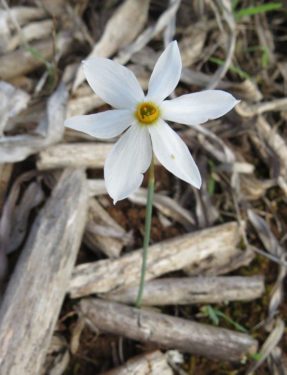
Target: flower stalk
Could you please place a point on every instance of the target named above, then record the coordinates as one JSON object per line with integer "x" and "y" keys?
{"x": 148, "y": 218}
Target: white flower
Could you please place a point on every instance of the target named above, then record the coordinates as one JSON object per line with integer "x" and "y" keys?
{"x": 144, "y": 116}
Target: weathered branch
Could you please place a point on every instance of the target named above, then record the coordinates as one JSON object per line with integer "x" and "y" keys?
{"x": 154, "y": 363}
{"x": 75, "y": 155}
{"x": 97, "y": 239}
{"x": 274, "y": 140}
{"x": 184, "y": 291}
{"x": 18, "y": 147}
{"x": 39, "y": 283}
{"x": 200, "y": 251}
{"x": 5, "y": 174}
{"x": 167, "y": 331}
{"x": 166, "y": 205}
{"x": 231, "y": 259}
{"x": 86, "y": 155}
{"x": 121, "y": 29}
{"x": 36, "y": 55}
{"x": 96, "y": 187}
{"x": 9, "y": 63}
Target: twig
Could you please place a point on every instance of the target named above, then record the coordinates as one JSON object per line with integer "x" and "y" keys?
{"x": 185, "y": 291}
{"x": 154, "y": 363}
{"x": 167, "y": 331}
{"x": 209, "y": 249}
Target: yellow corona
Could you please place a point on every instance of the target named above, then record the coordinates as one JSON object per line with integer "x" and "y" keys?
{"x": 147, "y": 113}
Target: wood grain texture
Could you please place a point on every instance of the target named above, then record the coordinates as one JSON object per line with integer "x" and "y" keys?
{"x": 18, "y": 147}
{"x": 5, "y": 174}
{"x": 167, "y": 331}
{"x": 85, "y": 155}
{"x": 39, "y": 283}
{"x": 198, "y": 250}
{"x": 75, "y": 155}
{"x": 98, "y": 217}
{"x": 274, "y": 140}
{"x": 9, "y": 63}
{"x": 154, "y": 363}
{"x": 191, "y": 290}
{"x": 121, "y": 29}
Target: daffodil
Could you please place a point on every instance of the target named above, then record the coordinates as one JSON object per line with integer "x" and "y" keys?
{"x": 142, "y": 120}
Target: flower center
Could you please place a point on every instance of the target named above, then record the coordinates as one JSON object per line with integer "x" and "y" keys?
{"x": 147, "y": 113}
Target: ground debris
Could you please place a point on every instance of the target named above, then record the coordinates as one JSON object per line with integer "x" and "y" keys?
{"x": 70, "y": 259}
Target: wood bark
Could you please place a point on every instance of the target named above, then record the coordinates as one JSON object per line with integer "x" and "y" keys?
{"x": 75, "y": 155}
{"x": 274, "y": 140}
{"x": 5, "y": 174}
{"x": 185, "y": 291}
{"x": 110, "y": 245}
{"x": 58, "y": 357}
{"x": 232, "y": 258}
{"x": 120, "y": 31}
{"x": 30, "y": 32}
{"x": 45, "y": 49}
{"x": 154, "y": 363}
{"x": 164, "y": 204}
{"x": 18, "y": 147}
{"x": 39, "y": 283}
{"x": 86, "y": 155}
{"x": 167, "y": 331}
{"x": 96, "y": 187}
{"x": 9, "y": 63}
{"x": 199, "y": 251}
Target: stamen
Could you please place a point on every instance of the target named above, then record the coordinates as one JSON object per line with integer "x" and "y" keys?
{"x": 147, "y": 113}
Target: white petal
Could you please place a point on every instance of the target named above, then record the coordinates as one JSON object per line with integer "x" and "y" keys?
{"x": 102, "y": 125}
{"x": 166, "y": 73}
{"x": 173, "y": 153}
{"x": 199, "y": 107}
{"x": 113, "y": 83}
{"x": 128, "y": 160}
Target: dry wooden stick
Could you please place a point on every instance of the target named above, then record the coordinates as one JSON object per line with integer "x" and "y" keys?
{"x": 32, "y": 57}
{"x": 250, "y": 110}
{"x": 86, "y": 155}
{"x": 154, "y": 363}
{"x": 12, "y": 19}
{"x": 23, "y": 14}
{"x": 167, "y": 331}
{"x": 9, "y": 63}
{"x": 184, "y": 291}
{"x": 39, "y": 283}
{"x": 12, "y": 101}
{"x": 121, "y": 29}
{"x": 30, "y": 32}
{"x": 231, "y": 259}
{"x": 197, "y": 250}
{"x": 110, "y": 245}
{"x": 19, "y": 147}
{"x": 274, "y": 140}
{"x": 5, "y": 174}
{"x": 96, "y": 187}
{"x": 57, "y": 358}
{"x": 167, "y": 206}
{"x": 83, "y": 104}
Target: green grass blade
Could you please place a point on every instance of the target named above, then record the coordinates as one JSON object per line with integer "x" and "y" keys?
{"x": 236, "y": 325}
{"x": 232, "y": 68}
{"x": 251, "y": 11}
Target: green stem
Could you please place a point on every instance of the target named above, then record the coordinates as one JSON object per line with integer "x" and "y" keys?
{"x": 148, "y": 217}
